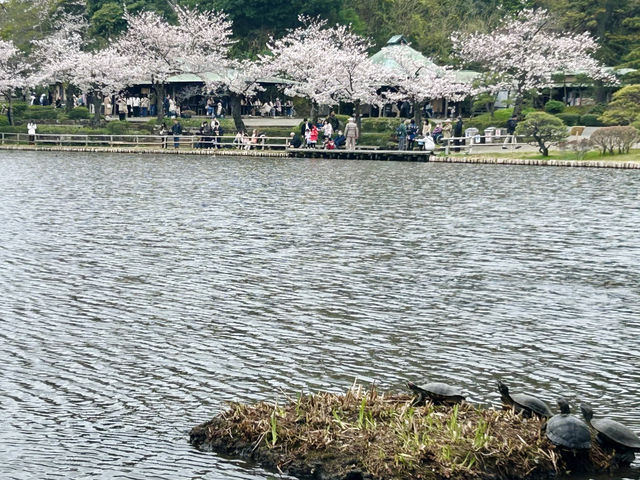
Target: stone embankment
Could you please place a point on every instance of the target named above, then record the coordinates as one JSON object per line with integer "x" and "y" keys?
{"x": 337, "y": 154}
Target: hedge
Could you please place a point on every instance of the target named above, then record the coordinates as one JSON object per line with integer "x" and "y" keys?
{"x": 569, "y": 119}
{"x": 554, "y": 106}
{"x": 590, "y": 120}
{"x": 39, "y": 112}
{"x": 79, "y": 113}
{"x": 484, "y": 121}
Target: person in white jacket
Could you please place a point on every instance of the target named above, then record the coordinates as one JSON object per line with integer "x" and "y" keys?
{"x": 31, "y": 130}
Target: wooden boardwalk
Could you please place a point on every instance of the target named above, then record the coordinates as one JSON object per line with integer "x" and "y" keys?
{"x": 358, "y": 154}
{"x": 362, "y": 154}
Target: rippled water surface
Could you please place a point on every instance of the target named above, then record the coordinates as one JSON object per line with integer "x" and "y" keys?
{"x": 140, "y": 293}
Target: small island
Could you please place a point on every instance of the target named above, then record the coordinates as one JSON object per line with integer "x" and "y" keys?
{"x": 370, "y": 435}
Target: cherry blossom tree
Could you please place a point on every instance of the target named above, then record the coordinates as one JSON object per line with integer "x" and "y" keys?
{"x": 198, "y": 43}
{"x": 418, "y": 81}
{"x": 242, "y": 79}
{"x": 56, "y": 54}
{"x": 103, "y": 73}
{"x": 14, "y": 73}
{"x": 524, "y": 52}
{"x": 304, "y": 56}
{"x": 326, "y": 64}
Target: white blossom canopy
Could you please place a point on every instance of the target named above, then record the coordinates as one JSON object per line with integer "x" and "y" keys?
{"x": 14, "y": 71}
{"x": 525, "y": 52}
{"x": 326, "y": 64}
{"x": 199, "y": 42}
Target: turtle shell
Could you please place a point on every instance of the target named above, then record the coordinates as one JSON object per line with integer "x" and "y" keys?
{"x": 437, "y": 392}
{"x": 569, "y": 432}
{"x": 529, "y": 404}
{"x": 616, "y": 433}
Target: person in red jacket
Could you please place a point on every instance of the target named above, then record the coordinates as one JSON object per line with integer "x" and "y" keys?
{"x": 313, "y": 136}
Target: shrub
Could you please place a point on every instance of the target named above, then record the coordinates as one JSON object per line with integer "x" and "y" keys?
{"x": 542, "y": 130}
{"x": 118, "y": 127}
{"x": 483, "y": 121}
{"x": 18, "y": 109}
{"x": 554, "y": 106}
{"x": 39, "y": 112}
{"x": 608, "y": 139}
{"x": 375, "y": 124}
{"x": 624, "y": 108}
{"x": 569, "y": 119}
{"x": 79, "y": 113}
{"x": 598, "y": 109}
{"x": 4, "y": 121}
{"x": 590, "y": 120}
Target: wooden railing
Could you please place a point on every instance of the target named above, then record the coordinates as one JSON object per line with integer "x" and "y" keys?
{"x": 465, "y": 144}
{"x": 146, "y": 141}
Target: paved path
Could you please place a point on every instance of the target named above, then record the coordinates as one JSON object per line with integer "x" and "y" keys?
{"x": 248, "y": 121}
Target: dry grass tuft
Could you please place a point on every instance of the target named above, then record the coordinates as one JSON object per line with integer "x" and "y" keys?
{"x": 366, "y": 434}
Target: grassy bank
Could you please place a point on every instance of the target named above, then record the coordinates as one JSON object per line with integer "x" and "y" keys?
{"x": 632, "y": 156}
{"x": 363, "y": 434}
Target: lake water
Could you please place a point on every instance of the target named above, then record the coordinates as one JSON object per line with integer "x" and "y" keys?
{"x": 140, "y": 293}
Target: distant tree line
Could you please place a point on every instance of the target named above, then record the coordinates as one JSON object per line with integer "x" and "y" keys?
{"x": 615, "y": 24}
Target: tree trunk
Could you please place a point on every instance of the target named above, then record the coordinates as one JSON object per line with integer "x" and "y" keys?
{"x": 159, "y": 89}
{"x": 10, "y": 110}
{"x": 236, "y": 111}
{"x": 314, "y": 112}
{"x": 356, "y": 112}
{"x": 97, "y": 103}
{"x": 491, "y": 107}
{"x": 68, "y": 101}
{"x": 417, "y": 113}
{"x": 542, "y": 148}
{"x": 517, "y": 106}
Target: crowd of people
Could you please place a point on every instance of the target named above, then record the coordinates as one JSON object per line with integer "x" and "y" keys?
{"x": 326, "y": 133}
{"x": 426, "y": 137}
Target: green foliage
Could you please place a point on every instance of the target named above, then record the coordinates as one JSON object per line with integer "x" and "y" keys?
{"x": 376, "y": 124}
{"x": 614, "y": 23}
{"x": 18, "y": 109}
{"x": 39, "y": 112}
{"x": 569, "y": 119}
{"x": 483, "y": 121}
{"x": 274, "y": 428}
{"x": 590, "y": 120}
{"x": 107, "y": 21}
{"x": 118, "y": 127}
{"x": 624, "y": 108}
{"x": 542, "y": 130}
{"x": 554, "y": 106}
{"x": 79, "y": 113}
{"x": 4, "y": 121}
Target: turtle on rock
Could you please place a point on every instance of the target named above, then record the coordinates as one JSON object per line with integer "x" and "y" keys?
{"x": 436, "y": 393}
{"x": 614, "y": 436}
{"x": 523, "y": 403}
{"x": 566, "y": 431}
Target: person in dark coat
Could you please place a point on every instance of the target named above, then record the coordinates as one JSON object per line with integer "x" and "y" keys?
{"x": 457, "y": 133}
{"x": 176, "y": 131}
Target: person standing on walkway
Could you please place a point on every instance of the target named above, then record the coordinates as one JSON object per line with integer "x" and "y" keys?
{"x": 351, "y": 133}
{"x": 457, "y": 133}
{"x": 163, "y": 135}
{"x": 176, "y": 131}
{"x": 511, "y": 138}
{"x": 447, "y": 129}
{"x": 412, "y": 133}
{"x": 401, "y": 133}
{"x": 31, "y": 130}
